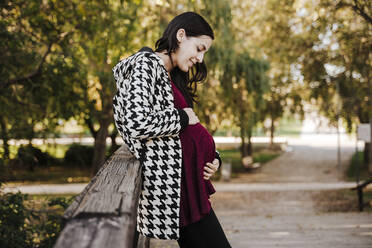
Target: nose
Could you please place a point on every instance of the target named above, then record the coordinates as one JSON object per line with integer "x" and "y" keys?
{"x": 200, "y": 57}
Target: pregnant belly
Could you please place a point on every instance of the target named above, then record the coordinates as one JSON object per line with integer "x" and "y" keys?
{"x": 199, "y": 140}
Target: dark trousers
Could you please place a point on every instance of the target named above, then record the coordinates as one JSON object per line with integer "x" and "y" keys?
{"x": 204, "y": 234}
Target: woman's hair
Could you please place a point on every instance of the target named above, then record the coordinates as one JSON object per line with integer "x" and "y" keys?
{"x": 194, "y": 26}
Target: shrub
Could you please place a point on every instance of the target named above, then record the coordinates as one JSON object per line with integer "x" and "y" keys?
{"x": 13, "y": 231}
{"x": 32, "y": 156}
{"x": 2, "y": 171}
{"x": 22, "y": 227}
{"x": 79, "y": 155}
{"x": 357, "y": 166}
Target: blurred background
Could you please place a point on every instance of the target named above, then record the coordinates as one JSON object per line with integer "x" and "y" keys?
{"x": 282, "y": 76}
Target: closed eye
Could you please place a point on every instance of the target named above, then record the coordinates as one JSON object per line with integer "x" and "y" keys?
{"x": 201, "y": 48}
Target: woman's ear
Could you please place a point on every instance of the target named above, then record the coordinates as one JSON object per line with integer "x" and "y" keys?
{"x": 181, "y": 34}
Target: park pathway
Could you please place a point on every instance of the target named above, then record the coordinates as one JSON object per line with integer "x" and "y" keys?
{"x": 294, "y": 201}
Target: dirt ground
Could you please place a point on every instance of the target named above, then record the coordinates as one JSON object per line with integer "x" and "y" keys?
{"x": 310, "y": 159}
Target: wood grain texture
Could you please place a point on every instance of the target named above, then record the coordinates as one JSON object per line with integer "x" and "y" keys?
{"x": 104, "y": 214}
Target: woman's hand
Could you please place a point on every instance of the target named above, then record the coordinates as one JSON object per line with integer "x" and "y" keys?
{"x": 211, "y": 168}
{"x": 193, "y": 119}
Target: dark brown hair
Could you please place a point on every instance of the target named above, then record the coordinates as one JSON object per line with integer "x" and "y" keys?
{"x": 194, "y": 25}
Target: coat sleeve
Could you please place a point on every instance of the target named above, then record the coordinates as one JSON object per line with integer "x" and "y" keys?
{"x": 138, "y": 119}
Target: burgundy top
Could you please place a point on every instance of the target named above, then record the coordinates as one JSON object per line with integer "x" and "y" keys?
{"x": 198, "y": 148}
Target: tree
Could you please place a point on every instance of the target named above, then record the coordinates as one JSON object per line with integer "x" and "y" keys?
{"x": 105, "y": 32}
{"x": 248, "y": 85}
{"x": 342, "y": 58}
{"x": 37, "y": 70}
{"x": 272, "y": 30}
{"x": 242, "y": 79}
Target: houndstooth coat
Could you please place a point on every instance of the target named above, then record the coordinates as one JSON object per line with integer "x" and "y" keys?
{"x": 146, "y": 119}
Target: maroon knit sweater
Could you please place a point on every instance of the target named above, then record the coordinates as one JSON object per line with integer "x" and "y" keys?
{"x": 198, "y": 148}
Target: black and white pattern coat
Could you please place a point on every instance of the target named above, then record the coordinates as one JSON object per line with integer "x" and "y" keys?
{"x": 147, "y": 120}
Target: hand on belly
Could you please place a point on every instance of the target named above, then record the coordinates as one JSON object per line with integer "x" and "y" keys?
{"x": 210, "y": 169}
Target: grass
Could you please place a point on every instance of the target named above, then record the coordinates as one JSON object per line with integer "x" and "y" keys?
{"x": 55, "y": 150}
{"x": 344, "y": 200}
{"x": 42, "y": 198}
{"x": 357, "y": 166}
{"x": 40, "y": 202}
{"x": 352, "y": 195}
{"x": 367, "y": 198}
{"x": 59, "y": 174}
{"x": 260, "y": 155}
{"x": 287, "y": 126}
{"x": 49, "y": 175}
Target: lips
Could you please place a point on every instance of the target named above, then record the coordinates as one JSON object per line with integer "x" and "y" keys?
{"x": 192, "y": 63}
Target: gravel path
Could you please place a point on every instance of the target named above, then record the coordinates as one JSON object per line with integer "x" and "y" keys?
{"x": 293, "y": 201}
{"x": 310, "y": 158}
{"x": 76, "y": 188}
{"x": 287, "y": 204}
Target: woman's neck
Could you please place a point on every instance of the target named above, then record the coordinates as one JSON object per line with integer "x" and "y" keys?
{"x": 166, "y": 60}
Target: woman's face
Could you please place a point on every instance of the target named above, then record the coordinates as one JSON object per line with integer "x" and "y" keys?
{"x": 191, "y": 50}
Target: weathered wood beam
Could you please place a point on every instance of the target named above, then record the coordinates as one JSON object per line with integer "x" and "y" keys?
{"x": 104, "y": 214}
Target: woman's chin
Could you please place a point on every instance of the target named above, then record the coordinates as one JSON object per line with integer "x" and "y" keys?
{"x": 184, "y": 68}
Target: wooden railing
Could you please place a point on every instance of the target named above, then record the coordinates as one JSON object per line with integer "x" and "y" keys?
{"x": 104, "y": 214}
{"x": 359, "y": 190}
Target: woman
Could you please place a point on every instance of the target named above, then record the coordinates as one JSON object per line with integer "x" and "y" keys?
{"x": 153, "y": 113}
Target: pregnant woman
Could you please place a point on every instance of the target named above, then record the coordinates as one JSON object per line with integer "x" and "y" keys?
{"x": 153, "y": 112}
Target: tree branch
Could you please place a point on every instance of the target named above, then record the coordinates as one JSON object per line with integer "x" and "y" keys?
{"x": 359, "y": 10}
{"x": 39, "y": 67}
{"x": 30, "y": 75}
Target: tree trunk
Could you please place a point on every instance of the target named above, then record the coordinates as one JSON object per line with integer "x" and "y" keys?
{"x": 366, "y": 154}
{"x": 370, "y": 146}
{"x": 242, "y": 136}
{"x": 249, "y": 145}
{"x": 100, "y": 146}
{"x": 370, "y": 121}
{"x": 114, "y": 145}
{"x": 272, "y": 130}
{"x": 4, "y": 137}
{"x": 242, "y": 133}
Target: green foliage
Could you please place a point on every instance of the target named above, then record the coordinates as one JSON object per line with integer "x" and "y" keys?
{"x": 38, "y": 68}
{"x": 332, "y": 54}
{"x": 261, "y": 155}
{"x": 2, "y": 172}
{"x": 357, "y": 167}
{"x": 265, "y": 157}
{"x": 268, "y": 56}
{"x": 79, "y": 155}
{"x": 30, "y": 154}
{"x": 52, "y": 224}
{"x": 338, "y": 73}
{"x": 22, "y": 226}
{"x": 24, "y": 166}
{"x": 51, "y": 175}
{"x": 29, "y": 157}
{"x": 14, "y": 232}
